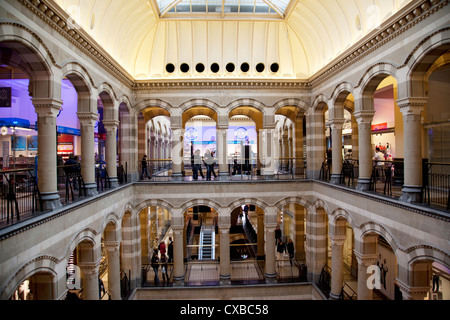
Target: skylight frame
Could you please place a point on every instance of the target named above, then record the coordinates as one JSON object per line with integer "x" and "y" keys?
{"x": 276, "y": 9}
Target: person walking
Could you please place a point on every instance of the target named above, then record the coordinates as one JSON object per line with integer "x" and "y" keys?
{"x": 155, "y": 266}
{"x": 281, "y": 249}
{"x": 170, "y": 250}
{"x": 290, "y": 249}
{"x": 144, "y": 168}
{"x": 162, "y": 248}
{"x": 165, "y": 276}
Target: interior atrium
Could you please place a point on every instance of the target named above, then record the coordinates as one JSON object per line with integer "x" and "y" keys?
{"x": 225, "y": 149}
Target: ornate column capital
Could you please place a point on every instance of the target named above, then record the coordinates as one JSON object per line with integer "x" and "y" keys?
{"x": 112, "y": 245}
{"x": 365, "y": 259}
{"x": 337, "y": 240}
{"x": 412, "y": 293}
{"x": 336, "y": 124}
{"x": 364, "y": 116}
{"x": 47, "y": 107}
{"x": 412, "y": 105}
{"x": 87, "y": 118}
{"x": 110, "y": 124}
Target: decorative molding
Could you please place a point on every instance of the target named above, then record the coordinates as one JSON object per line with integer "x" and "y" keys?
{"x": 392, "y": 30}
{"x": 398, "y": 24}
{"x": 220, "y": 84}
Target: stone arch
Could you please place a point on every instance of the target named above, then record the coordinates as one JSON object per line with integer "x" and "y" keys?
{"x": 43, "y": 263}
{"x": 341, "y": 92}
{"x": 320, "y": 103}
{"x": 201, "y": 202}
{"x": 197, "y": 107}
{"x": 253, "y": 201}
{"x": 82, "y": 82}
{"x": 247, "y": 102}
{"x": 294, "y": 200}
{"x": 371, "y": 80}
{"x": 154, "y": 202}
{"x": 18, "y": 42}
{"x": 291, "y": 102}
{"x": 154, "y": 104}
{"x": 420, "y": 60}
{"x": 86, "y": 235}
{"x": 111, "y": 227}
{"x": 374, "y": 229}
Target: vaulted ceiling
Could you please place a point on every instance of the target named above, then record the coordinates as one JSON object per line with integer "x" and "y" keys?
{"x": 296, "y": 42}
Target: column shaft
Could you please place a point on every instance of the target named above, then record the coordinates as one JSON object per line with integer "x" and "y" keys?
{"x": 87, "y": 123}
{"x": 111, "y": 151}
{"x": 113, "y": 270}
{"x": 336, "y": 148}
{"x": 47, "y": 111}
{"x": 225, "y": 269}
{"x": 364, "y": 119}
{"x": 178, "y": 256}
{"x": 337, "y": 267}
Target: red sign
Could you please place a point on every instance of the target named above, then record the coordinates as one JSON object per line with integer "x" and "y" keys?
{"x": 379, "y": 126}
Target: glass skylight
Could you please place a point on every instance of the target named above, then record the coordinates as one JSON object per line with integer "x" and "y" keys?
{"x": 173, "y": 8}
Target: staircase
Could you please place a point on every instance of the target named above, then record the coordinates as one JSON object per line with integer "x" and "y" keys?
{"x": 207, "y": 242}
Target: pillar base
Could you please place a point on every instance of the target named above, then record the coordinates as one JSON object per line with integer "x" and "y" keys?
{"x": 271, "y": 278}
{"x": 91, "y": 189}
{"x": 223, "y": 176}
{"x": 178, "y": 281}
{"x": 411, "y": 194}
{"x": 114, "y": 182}
{"x": 363, "y": 184}
{"x": 50, "y": 201}
{"x": 333, "y": 296}
{"x": 225, "y": 280}
{"x": 335, "y": 179}
{"x": 177, "y": 176}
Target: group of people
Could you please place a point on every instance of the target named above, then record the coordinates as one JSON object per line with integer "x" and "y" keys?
{"x": 208, "y": 159}
{"x": 161, "y": 259}
{"x": 282, "y": 248}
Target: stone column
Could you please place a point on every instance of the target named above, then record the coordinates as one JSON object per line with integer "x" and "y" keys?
{"x": 260, "y": 232}
{"x": 87, "y": 124}
{"x": 178, "y": 256}
{"x": 364, "y": 119}
{"x": 267, "y": 148}
{"x": 298, "y": 145}
{"x": 315, "y": 149}
{"x": 177, "y": 152}
{"x": 364, "y": 261}
{"x": 270, "y": 225}
{"x": 90, "y": 280}
{"x": 337, "y": 265}
{"x": 222, "y": 152}
{"x": 411, "y": 109}
{"x": 113, "y": 249}
{"x": 111, "y": 151}
{"x": 225, "y": 268}
{"x": 336, "y": 148}
{"x": 47, "y": 111}
{"x": 411, "y": 292}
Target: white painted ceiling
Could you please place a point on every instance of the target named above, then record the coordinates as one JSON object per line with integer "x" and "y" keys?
{"x": 301, "y": 39}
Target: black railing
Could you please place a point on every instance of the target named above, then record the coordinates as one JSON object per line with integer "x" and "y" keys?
{"x": 19, "y": 195}
{"x": 387, "y": 176}
{"x": 325, "y": 280}
{"x": 436, "y": 184}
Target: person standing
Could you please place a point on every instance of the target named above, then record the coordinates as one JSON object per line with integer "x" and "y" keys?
{"x": 290, "y": 249}
{"x": 208, "y": 162}
{"x": 165, "y": 276}
{"x": 144, "y": 168}
{"x": 281, "y": 249}
{"x": 170, "y": 250}
{"x": 155, "y": 266}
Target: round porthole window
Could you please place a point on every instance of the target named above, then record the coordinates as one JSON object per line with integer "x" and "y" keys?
{"x": 215, "y": 68}
{"x": 245, "y": 67}
{"x": 200, "y": 67}
{"x": 274, "y": 67}
{"x": 184, "y": 67}
{"x": 230, "y": 67}
{"x": 170, "y": 68}
{"x": 260, "y": 67}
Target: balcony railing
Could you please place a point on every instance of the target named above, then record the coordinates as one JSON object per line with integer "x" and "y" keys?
{"x": 19, "y": 196}
{"x": 284, "y": 169}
